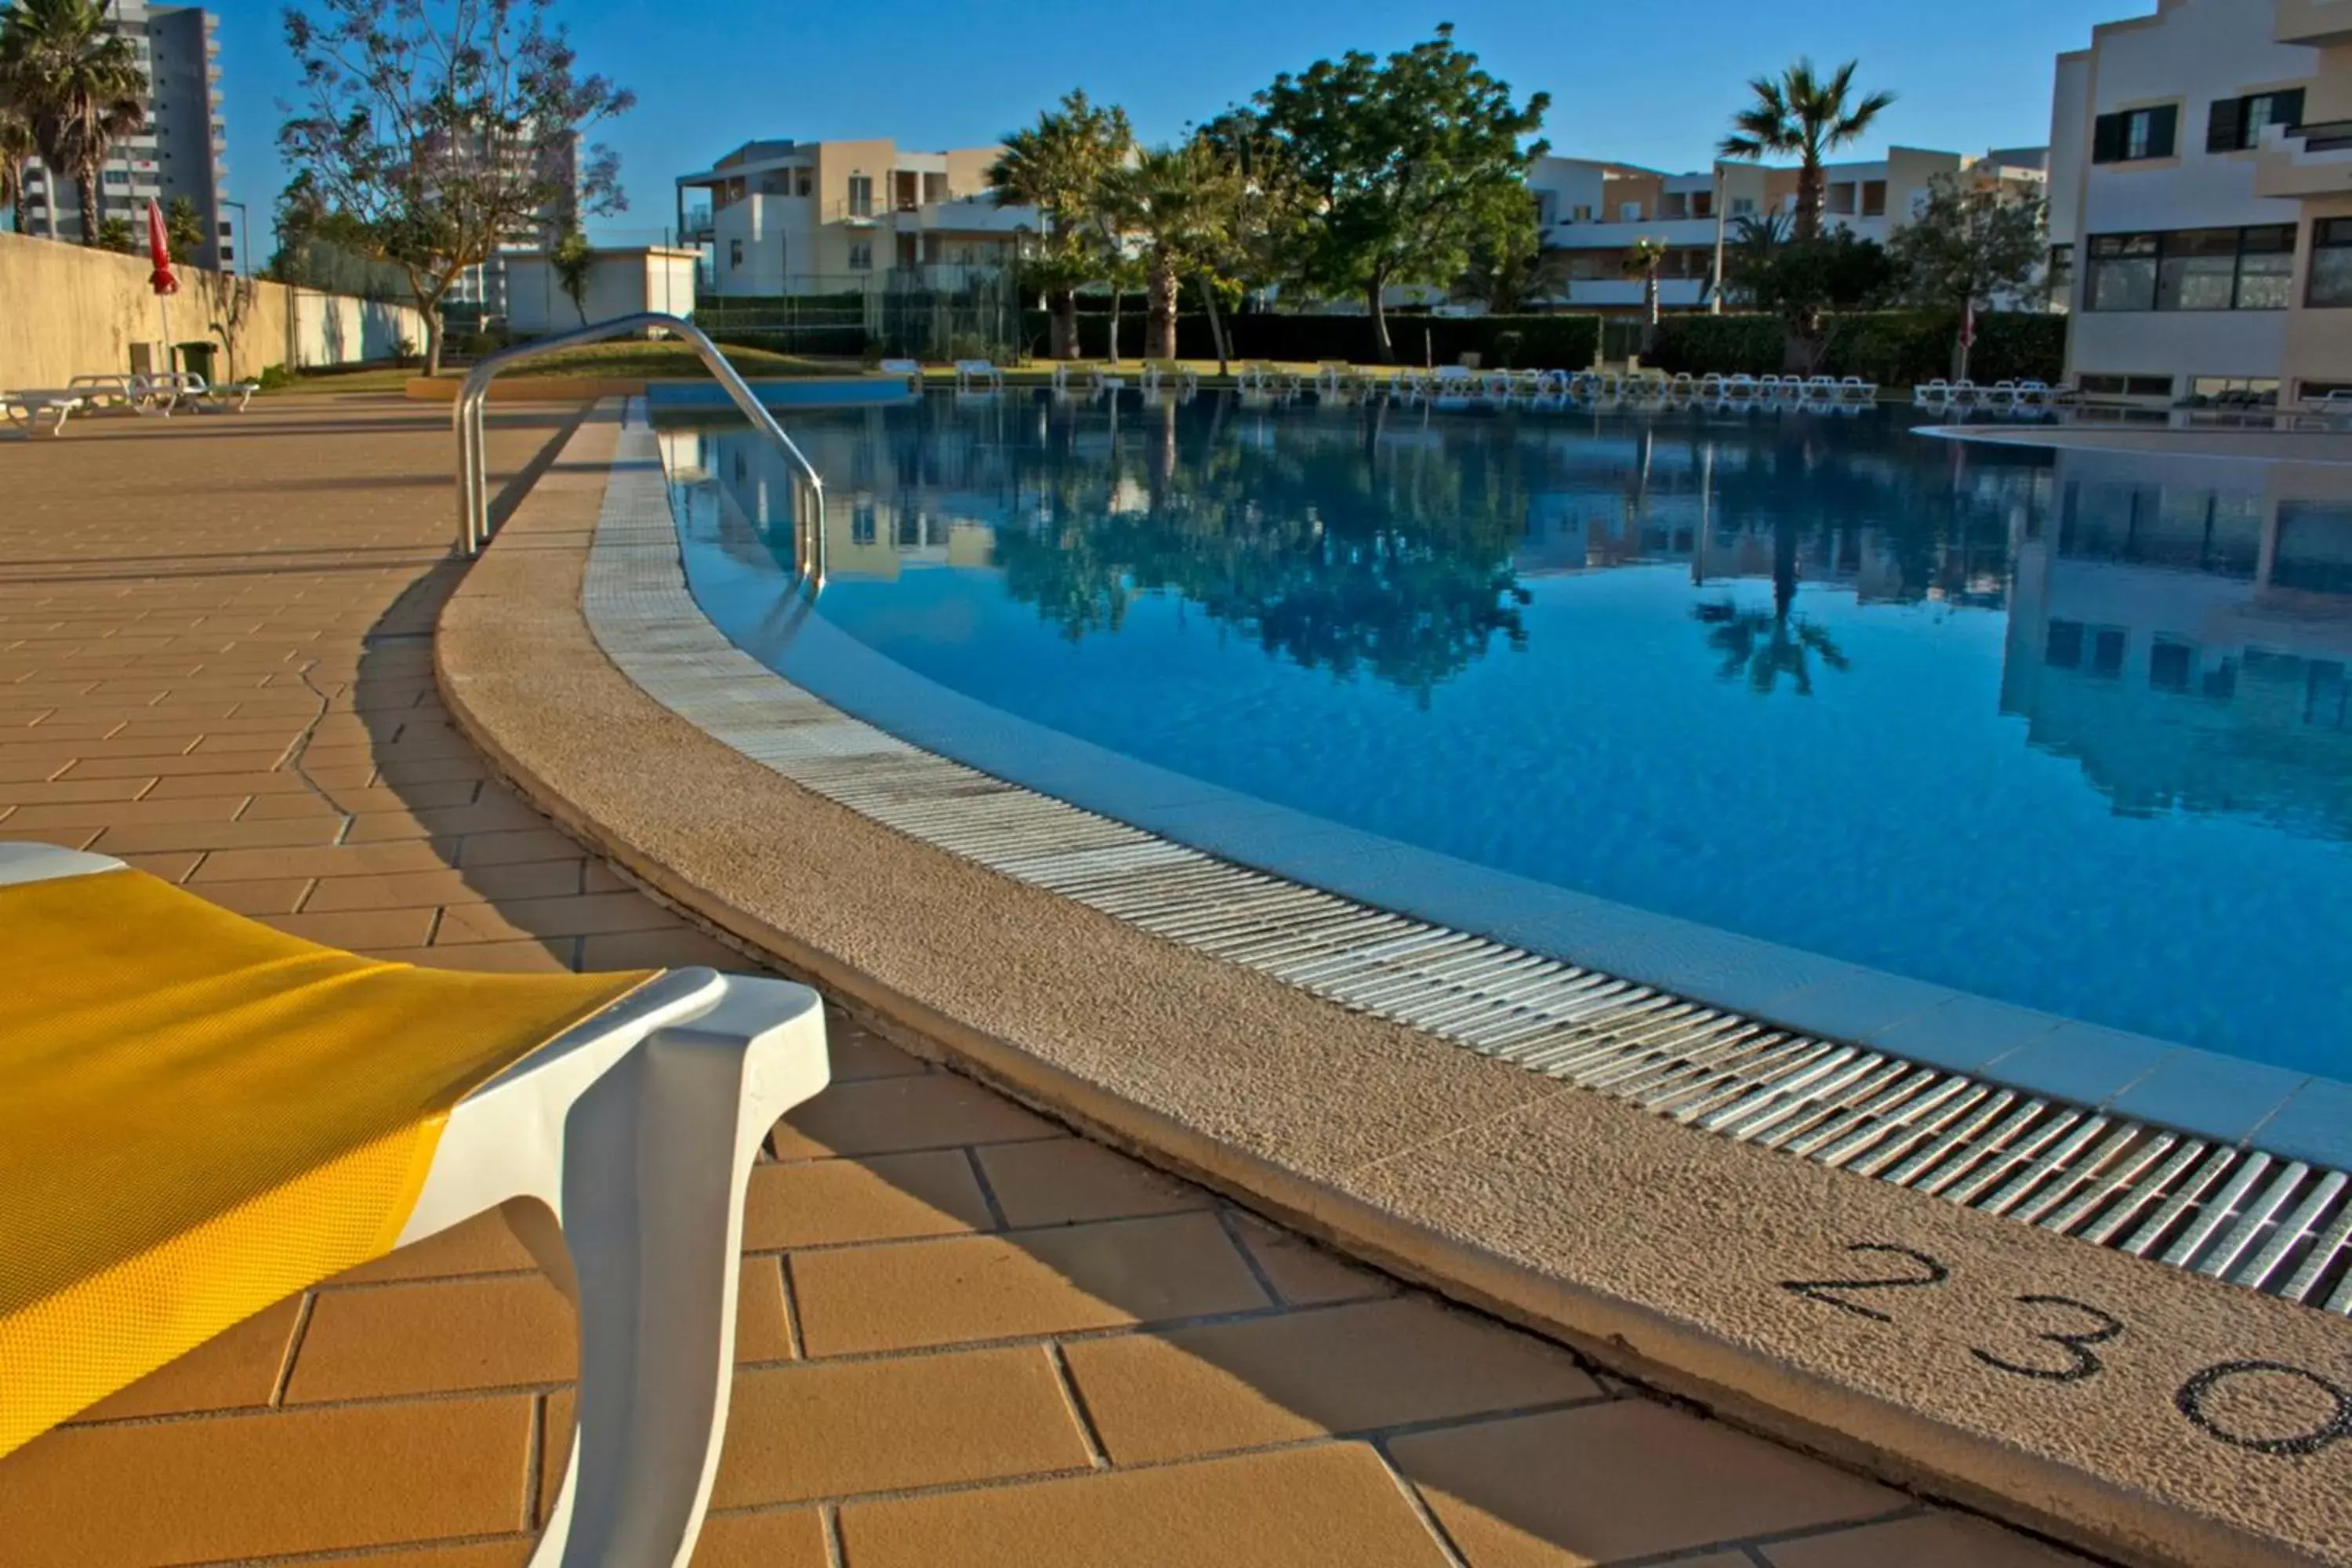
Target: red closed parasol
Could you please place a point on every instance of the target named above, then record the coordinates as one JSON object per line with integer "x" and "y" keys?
{"x": 159, "y": 251}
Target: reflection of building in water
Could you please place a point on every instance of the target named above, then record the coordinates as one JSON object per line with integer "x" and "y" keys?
{"x": 1877, "y": 526}
{"x": 890, "y": 504}
{"x": 2183, "y": 629}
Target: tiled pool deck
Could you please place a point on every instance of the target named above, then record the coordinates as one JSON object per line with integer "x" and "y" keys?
{"x": 966, "y": 1336}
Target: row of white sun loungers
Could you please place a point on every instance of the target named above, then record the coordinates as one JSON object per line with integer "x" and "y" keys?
{"x": 1967, "y": 393}
{"x": 158, "y": 395}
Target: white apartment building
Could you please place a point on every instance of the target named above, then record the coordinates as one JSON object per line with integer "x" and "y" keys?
{"x": 2201, "y": 198}
{"x": 1594, "y": 211}
{"x": 780, "y": 218}
{"x": 181, "y": 149}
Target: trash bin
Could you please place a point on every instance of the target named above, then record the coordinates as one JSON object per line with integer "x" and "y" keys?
{"x": 197, "y": 357}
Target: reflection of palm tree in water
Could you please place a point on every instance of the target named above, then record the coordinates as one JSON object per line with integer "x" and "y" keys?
{"x": 1769, "y": 646}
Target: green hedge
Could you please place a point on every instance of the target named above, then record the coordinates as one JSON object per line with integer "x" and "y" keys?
{"x": 1893, "y": 348}
{"x": 1565, "y": 341}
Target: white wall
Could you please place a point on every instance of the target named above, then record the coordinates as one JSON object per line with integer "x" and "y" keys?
{"x": 2070, "y": 145}
{"x": 620, "y": 283}
{"x": 335, "y": 329}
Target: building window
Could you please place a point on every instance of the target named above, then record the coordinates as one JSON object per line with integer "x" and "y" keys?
{"x": 861, "y": 257}
{"x": 2234, "y": 124}
{"x": 224, "y": 229}
{"x": 2135, "y": 134}
{"x": 861, "y": 522}
{"x": 2331, "y": 262}
{"x": 2100, "y": 386}
{"x": 2123, "y": 272}
{"x": 1743, "y": 206}
{"x": 935, "y": 189}
{"x": 1873, "y": 198}
{"x": 2060, "y": 275}
{"x": 734, "y": 254}
{"x": 2193, "y": 269}
{"x": 1702, "y": 204}
{"x": 861, "y": 195}
{"x": 1580, "y": 214}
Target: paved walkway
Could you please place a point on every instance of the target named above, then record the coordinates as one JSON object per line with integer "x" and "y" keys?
{"x": 966, "y": 1338}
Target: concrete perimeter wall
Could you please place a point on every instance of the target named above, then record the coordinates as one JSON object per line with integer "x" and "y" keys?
{"x": 67, "y": 312}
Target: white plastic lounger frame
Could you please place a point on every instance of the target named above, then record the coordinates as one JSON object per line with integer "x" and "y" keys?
{"x": 27, "y": 408}
{"x": 909, "y": 369}
{"x": 619, "y": 1152}
{"x": 978, "y": 374}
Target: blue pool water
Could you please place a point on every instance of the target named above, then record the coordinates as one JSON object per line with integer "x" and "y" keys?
{"x": 2069, "y": 732}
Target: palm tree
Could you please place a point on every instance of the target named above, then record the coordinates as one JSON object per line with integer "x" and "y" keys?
{"x": 79, "y": 85}
{"x": 1059, "y": 166}
{"x": 1643, "y": 259}
{"x": 1180, "y": 204}
{"x": 1801, "y": 114}
{"x": 15, "y": 147}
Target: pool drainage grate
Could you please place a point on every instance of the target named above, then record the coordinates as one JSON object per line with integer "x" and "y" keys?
{"x": 2278, "y": 1225}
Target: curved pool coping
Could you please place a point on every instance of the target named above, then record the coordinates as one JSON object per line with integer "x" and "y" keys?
{"x": 1656, "y": 1251}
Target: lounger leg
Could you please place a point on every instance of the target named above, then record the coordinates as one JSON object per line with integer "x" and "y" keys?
{"x": 657, "y": 1154}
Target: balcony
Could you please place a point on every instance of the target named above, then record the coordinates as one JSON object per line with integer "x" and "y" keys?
{"x": 2315, "y": 22}
{"x": 697, "y": 224}
{"x": 2313, "y": 160}
{"x": 1617, "y": 234}
{"x": 1625, "y": 293}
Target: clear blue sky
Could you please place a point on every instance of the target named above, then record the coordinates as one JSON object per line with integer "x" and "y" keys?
{"x": 1647, "y": 84}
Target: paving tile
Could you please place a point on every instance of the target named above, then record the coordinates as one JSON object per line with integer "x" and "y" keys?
{"x": 68, "y": 791}
{"x": 296, "y": 834}
{"x": 508, "y": 848}
{"x": 786, "y": 1538}
{"x": 760, "y": 1332}
{"x": 908, "y": 1294}
{"x": 579, "y": 914}
{"x": 886, "y": 1197}
{"x": 1060, "y": 1181}
{"x": 428, "y": 889}
{"x": 519, "y": 957}
{"x": 1306, "y": 1508}
{"x": 265, "y": 896}
{"x": 126, "y": 814}
{"x": 171, "y": 867}
{"x": 492, "y": 814}
{"x": 483, "y": 1244}
{"x": 1928, "y": 1540}
{"x": 507, "y": 1331}
{"x": 1303, "y": 1274}
{"x": 227, "y": 865}
{"x": 932, "y": 1111}
{"x": 235, "y": 1369}
{"x": 1630, "y": 1478}
{"x": 268, "y": 1484}
{"x": 279, "y": 805}
{"x": 859, "y": 1052}
{"x": 818, "y": 1430}
{"x": 513, "y": 1552}
{"x": 238, "y": 761}
{"x": 361, "y": 930}
{"x": 1182, "y": 1392}
{"x": 679, "y": 947}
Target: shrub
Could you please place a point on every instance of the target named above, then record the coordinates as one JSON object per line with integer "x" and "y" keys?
{"x": 1893, "y": 348}
{"x": 276, "y": 378}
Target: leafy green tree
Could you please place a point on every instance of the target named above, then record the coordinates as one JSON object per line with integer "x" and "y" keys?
{"x": 572, "y": 258}
{"x": 1178, "y": 205}
{"x": 1061, "y": 166}
{"x": 442, "y": 129}
{"x": 1270, "y": 208}
{"x": 1406, "y": 165}
{"x": 1806, "y": 116}
{"x": 1968, "y": 246}
{"x": 183, "y": 229}
{"x": 1801, "y": 280}
{"x": 114, "y": 234}
{"x": 78, "y": 86}
{"x": 1508, "y": 280}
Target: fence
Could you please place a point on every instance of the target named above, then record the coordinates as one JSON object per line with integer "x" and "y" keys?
{"x": 936, "y": 313}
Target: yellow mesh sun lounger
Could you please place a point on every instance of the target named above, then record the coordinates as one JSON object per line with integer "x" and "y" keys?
{"x": 200, "y": 1116}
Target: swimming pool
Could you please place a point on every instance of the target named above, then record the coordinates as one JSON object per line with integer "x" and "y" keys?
{"x": 2069, "y": 732}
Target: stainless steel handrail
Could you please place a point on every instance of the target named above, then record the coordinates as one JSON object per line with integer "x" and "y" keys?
{"x": 473, "y": 494}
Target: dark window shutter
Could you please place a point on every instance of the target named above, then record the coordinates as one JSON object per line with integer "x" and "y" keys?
{"x": 2222, "y": 125}
{"x": 2286, "y": 108}
{"x": 2108, "y": 139}
{"x": 2163, "y": 131}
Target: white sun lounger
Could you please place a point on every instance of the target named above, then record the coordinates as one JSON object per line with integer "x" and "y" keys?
{"x": 619, "y": 1151}
{"x": 1157, "y": 374}
{"x": 1933, "y": 394}
{"x": 27, "y": 408}
{"x": 977, "y": 375}
{"x": 1854, "y": 389}
{"x": 912, "y": 369}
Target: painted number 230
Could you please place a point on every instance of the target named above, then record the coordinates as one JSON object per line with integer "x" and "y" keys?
{"x": 2073, "y": 1329}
